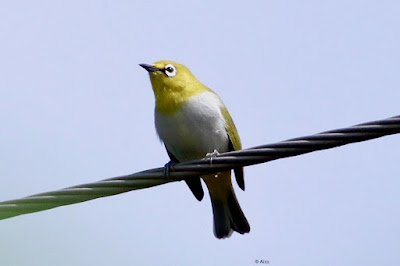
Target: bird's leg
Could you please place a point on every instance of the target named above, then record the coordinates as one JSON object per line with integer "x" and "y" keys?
{"x": 168, "y": 167}
{"x": 211, "y": 156}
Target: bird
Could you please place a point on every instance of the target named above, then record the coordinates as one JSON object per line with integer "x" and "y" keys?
{"x": 193, "y": 122}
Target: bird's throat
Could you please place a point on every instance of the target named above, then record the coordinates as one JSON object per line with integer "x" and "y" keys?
{"x": 170, "y": 101}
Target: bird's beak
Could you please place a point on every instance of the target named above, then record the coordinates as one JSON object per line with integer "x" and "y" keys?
{"x": 149, "y": 68}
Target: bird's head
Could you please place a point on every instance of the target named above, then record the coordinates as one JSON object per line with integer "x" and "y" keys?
{"x": 169, "y": 75}
{"x": 172, "y": 83}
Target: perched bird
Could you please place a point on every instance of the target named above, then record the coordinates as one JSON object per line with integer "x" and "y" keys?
{"x": 192, "y": 121}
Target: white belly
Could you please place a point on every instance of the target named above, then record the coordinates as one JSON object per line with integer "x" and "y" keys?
{"x": 197, "y": 129}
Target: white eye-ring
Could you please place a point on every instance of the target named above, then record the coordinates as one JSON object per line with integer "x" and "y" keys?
{"x": 170, "y": 70}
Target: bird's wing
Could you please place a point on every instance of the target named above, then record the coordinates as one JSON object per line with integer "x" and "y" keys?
{"x": 193, "y": 183}
{"x": 234, "y": 144}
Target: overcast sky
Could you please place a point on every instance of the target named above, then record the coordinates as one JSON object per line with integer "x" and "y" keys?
{"x": 75, "y": 107}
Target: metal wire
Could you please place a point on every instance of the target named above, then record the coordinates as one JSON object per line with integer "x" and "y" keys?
{"x": 178, "y": 172}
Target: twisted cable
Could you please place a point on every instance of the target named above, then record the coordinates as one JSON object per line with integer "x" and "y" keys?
{"x": 180, "y": 171}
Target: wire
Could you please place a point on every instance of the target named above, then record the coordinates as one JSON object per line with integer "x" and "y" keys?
{"x": 180, "y": 171}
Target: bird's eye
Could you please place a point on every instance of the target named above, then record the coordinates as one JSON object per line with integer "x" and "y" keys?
{"x": 170, "y": 70}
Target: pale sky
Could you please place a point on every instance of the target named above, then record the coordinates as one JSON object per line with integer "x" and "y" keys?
{"x": 75, "y": 107}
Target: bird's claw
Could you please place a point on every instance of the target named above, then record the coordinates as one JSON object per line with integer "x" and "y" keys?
{"x": 168, "y": 167}
{"x": 212, "y": 155}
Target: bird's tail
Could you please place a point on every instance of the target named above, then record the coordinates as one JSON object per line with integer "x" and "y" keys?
{"x": 228, "y": 216}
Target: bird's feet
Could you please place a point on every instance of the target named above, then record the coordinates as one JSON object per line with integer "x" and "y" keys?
{"x": 168, "y": 167}
{"x": 211, "y": 156}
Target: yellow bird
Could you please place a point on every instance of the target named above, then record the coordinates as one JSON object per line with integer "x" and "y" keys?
{"x": 193, "y": 122}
